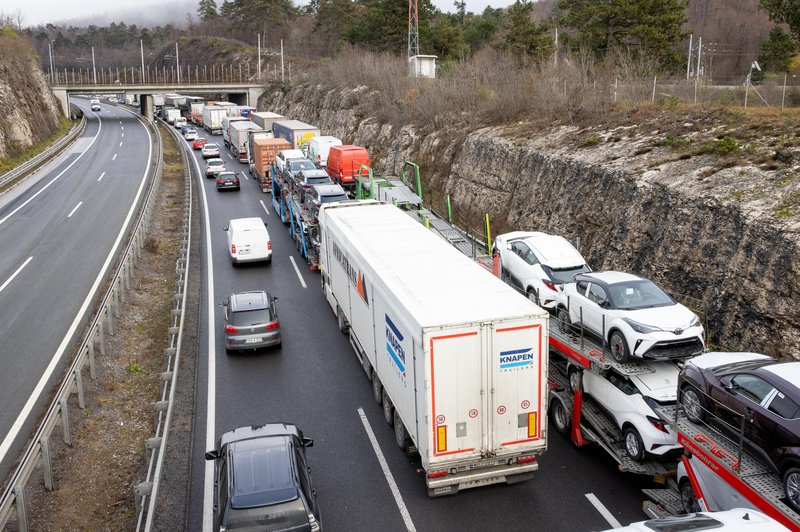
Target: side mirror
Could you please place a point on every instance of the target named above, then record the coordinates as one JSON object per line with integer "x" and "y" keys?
{"x": 212, "y": 455}
{"x": 508, "y": 247}
{"x": 274, "y": 298}
{"x": 225, "y": 228}
{"x": 605, "y": 304}
{"x": 224, "y": 303}
{"x": 308, "y": 442}
{"x": 265, "y": 224}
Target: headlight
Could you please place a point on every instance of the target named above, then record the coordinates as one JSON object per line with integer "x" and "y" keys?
{"x": 640, "y": 327}
{"x": 695, "y": 321}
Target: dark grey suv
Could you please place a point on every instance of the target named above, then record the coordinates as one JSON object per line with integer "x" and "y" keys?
{"x": 262, "y": 480}
{"x": 251, "y": 321}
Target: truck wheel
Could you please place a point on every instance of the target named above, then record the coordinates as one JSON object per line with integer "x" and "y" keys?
{"x": 388, "y": 409}
{"x": 560, "y": 417}
{"x": 377, "y": 389}
{"x": 633, "y": 444}
{"x": 400, "y": 433}
{"x": 342, "y": 322}
{"x": 688, "y": 498}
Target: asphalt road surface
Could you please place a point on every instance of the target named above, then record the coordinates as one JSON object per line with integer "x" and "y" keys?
{"x": 315, "y": 381}
{"x": 58, "y": 232}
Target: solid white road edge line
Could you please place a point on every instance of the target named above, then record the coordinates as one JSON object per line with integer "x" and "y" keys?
{"x": 398, "y": 498}
{"x": 48, "y": 372}
{"x": 12, "y": 213}
{"x": 114, "y": 157}
{"x": 208, "y": 484}
{"x": 246, "y": 178}
{"x": 75, "y": 209}
{"x": 608, "y": 516}
{"x": 101, "y": 176}
{"x": 15, "y": 274}
{"x": 265, "y": 207}
{"x": 297, "y": 271}
{"x": 120, "y": 144}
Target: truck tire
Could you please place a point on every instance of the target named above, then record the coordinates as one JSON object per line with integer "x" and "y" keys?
{"x": 388, "y": 409}
{"x": 377, "y": 388}
{"x": 401, "y": 436}
{"x": 560, "y": 417}
{"x": 341, "y": 320}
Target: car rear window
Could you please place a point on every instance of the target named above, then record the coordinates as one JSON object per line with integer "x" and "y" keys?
{"x": 215, "y": 163}
{"x": 683, "y": 523}
{"x": 784, "y": 407}
{"x": 332, "y": 198}
{"x": 244, "y": 318}
{"x": 291, "y": 515}
{"x": 565, "y": 275}
{"x": 321, "y": 180}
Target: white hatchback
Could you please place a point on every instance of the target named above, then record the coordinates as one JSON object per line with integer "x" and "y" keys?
{"x": 248, "y": 240}
{"x": 538, "y": 264}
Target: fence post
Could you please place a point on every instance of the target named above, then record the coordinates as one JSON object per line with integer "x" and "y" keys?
{"x": 783, "y": 97}
{"x": 616, "y": 84}
{"x": 655, "y": 79}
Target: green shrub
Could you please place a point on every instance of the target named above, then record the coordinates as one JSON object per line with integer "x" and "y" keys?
{"x": 727, "y": 144}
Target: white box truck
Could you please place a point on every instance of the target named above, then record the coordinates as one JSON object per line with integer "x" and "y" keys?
{"x": 172, "y": 114}
{"x": 226, "y": 125}
{"x": 212, "y": 118}
{"x": 265, "y": 119}
{"x": 457, "y": 357}
{"x": 237, "y": 135}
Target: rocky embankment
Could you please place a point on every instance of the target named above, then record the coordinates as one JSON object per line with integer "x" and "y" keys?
{"x": 707, "y": 203}
{"x": 29, "y": 113}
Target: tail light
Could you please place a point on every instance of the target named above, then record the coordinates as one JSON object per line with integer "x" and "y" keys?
{"x": 526, "y": 459}
{"x": 231, "y": 330}
{"x": 233, "y": 249}
{"x": 437, "y": 474}
{"x": 269, "y": 245}
{"x": 549, "y": 284}
{"x": 273, "y": 325}
{"x": 658, "y": 423}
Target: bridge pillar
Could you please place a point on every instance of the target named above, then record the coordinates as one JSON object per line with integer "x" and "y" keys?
{"x": 63, "y": 99}
{"x": 253, "y": 94}
{"x": 146, "y": 106}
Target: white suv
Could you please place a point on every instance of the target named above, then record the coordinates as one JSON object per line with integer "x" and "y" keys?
{"x": 629, "y": 400}
{"x": 632, "y": 315}
{"x": 538, "y": 264}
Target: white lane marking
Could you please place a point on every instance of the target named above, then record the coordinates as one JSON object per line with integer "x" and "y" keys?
{"x": 75, "y": 209}
{"x": 15, "y": 274}
{"x": 297, "y": 271}
{"x": 114, "y": 157}
{"x": 101, "y": 176}
{"x": 122, "y": 135}
{"x": 265, "y": 207}
{"x": 398, "y": 498}
{"x": 12, "y": 213}
{"x": 123, "y": 127}
{"x": 247, "y": 178}
{"x": 211, "y": 383}
{"x": 48, "y": 372}
{"x": 230, "y": 156}
{"x": 603, "y": 511}
{"x": 120, "y": 145}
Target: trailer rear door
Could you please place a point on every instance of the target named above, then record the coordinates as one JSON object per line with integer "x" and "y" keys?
{"x": 518, "y": 367}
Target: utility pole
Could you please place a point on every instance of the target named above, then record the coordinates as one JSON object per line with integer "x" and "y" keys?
{"x": 282, "y": 77}
{"x": 689, "y": 60}
{"x": 50, "y": 52}
{"x": 141, "y": 49}
{"x": 177, "y": 62}
{"x": 259, "y": 56}
{"x": 555, "y": 48}
{"x": 699, "y": 54}
{"x": 94, "y": 69}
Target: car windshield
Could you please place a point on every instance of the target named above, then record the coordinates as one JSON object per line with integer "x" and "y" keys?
{"x": 305, "y": 164}
{"x": 227, "y": 175}
{"x": 250, "y": 317}
{"x": 318, "y": 180}
{"x": 332, "y": 198}
{"x": 634, "y": 295}
{"x": 211, "y": 146}
{"x": 565, "y": 275}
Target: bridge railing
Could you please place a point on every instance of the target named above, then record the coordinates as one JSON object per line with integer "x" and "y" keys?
{"x": 186, "y": 74}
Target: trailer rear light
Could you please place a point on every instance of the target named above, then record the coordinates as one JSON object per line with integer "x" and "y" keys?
{"x": 437, "y": 474}
{"x": 231, "y": 330}
{"x": 658, "y": 423}
{"x": 269, "y": 245}
{"x": 526, "y": 459}
{"x": 273, "y": 325}
{"x": 233, "y": 249}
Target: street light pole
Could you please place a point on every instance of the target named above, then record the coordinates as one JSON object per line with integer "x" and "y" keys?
{"x": 141, "y": 49}
{"x": 177, "y": 62}
{"x": 94, "y": 69}
{"x": 259, "y": 56}
{"x": 50, "y": 51}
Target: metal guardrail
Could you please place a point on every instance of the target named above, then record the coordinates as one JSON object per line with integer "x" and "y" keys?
{"x": 38, "y": 450}
{"x": 157, "y": 445}
{"x": 50, "y": 152}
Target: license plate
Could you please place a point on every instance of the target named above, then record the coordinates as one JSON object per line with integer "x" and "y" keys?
{"x": 244, "y": 252}
{"x": 253, "y": 340}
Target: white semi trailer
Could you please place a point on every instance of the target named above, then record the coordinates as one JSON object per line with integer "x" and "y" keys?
{"x": 457, "y": 358}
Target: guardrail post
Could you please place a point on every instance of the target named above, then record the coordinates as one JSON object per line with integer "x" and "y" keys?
{"x": 65, "y": 421}
{"x": 127, "y": 269}
{"x": 109, "y": 319}
{"x": 140, "y": 491}
{"x": 47, "y": 466}
{"x": 115, "y": 297}
{"x": 19, "y": 502}
{"x": 92, "y": 372}
{"x": 102, "y": 337}
{"x": 79, "y": 386}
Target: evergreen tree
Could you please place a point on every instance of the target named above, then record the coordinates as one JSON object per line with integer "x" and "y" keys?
{"x": 525, "y": 38}
{"x": 480, "y": 29}
{"x": 775, "y": 54}
{"x": 652, "y": 27}
{"x": 207, "y": 10}
{"x": 785, "y": 12}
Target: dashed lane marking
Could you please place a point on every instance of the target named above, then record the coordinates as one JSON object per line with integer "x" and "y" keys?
{"x": 15, "y": 274}
{"x": 75, "y": 209}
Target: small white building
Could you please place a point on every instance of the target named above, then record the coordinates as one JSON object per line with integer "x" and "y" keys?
{"x": 422, "y": 66}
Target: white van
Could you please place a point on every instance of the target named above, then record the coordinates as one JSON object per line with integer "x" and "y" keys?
{"x": 180, "y": 122}
{"x": 319, "y": 147}
{"x": 248, "y": 240}
{"x": 95, "y": 104}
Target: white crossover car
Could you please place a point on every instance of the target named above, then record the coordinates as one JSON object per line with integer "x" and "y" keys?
{"x": 736, "y": 520}
{"x": 629, "y": 400}
{"x": 632, "y": 315}
{"x": 538, "y": 264}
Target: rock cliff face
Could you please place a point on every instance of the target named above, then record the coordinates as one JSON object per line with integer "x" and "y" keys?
{"x": 29, "y": 113}
{"x": 666, "y": 201}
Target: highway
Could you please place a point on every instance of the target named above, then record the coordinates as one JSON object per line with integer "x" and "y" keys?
{"x": 59, "y": 231}
{"x": 315, "y": 381}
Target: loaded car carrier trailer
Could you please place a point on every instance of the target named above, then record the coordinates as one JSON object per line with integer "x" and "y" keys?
{"x": 457, "y": 359}
{"x": 303, "y": 230}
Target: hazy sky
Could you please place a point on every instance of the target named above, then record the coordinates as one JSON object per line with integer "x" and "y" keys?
{"x": 36, "y": 12}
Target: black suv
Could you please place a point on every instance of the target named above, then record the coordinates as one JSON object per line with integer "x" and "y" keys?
{"x": 262, "y": 480}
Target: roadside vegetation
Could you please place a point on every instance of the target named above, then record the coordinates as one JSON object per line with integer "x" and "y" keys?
{"x": 19, "y": 156}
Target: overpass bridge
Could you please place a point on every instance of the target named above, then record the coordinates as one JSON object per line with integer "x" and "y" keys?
{"x": 242, "y": 93}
